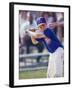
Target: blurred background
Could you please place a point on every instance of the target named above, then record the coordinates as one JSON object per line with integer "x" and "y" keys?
{"x": 33, "y": 59}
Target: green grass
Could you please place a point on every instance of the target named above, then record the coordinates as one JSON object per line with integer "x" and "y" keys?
{"x": 33, "y": 74}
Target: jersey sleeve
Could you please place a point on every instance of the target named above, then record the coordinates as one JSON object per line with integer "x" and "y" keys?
{"x": 49, "y": 33}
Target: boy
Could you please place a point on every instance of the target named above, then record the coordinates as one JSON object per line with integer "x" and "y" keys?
{"x": 54, "y": 47}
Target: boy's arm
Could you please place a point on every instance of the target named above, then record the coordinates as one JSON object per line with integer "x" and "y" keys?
{"x": 34, "y": 41}
{"x": 35, "y": 34}
{"x": 39, "y": 36}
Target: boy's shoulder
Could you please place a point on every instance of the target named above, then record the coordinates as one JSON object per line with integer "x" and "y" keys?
{"x": 48, "y": 30}
{"x": 49, "y": 33}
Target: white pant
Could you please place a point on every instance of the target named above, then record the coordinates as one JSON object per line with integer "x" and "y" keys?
{"x": 56, "y": 63}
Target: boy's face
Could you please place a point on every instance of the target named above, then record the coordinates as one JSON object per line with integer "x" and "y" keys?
{"x": 42, "y": 27}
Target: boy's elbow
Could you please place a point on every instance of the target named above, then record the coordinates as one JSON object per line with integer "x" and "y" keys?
{"x": 34, "y": 41}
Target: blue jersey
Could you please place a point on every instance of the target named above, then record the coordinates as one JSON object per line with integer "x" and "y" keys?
{"x": 51, "y": 42}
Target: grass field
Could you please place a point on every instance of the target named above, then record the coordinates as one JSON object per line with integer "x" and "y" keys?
{"x": 33, "y": 74}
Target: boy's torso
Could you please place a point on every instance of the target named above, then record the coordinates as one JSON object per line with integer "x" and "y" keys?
{"x": 50, "y": 41}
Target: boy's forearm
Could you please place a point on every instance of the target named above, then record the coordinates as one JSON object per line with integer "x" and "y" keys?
{"x": 40, "y": 36}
